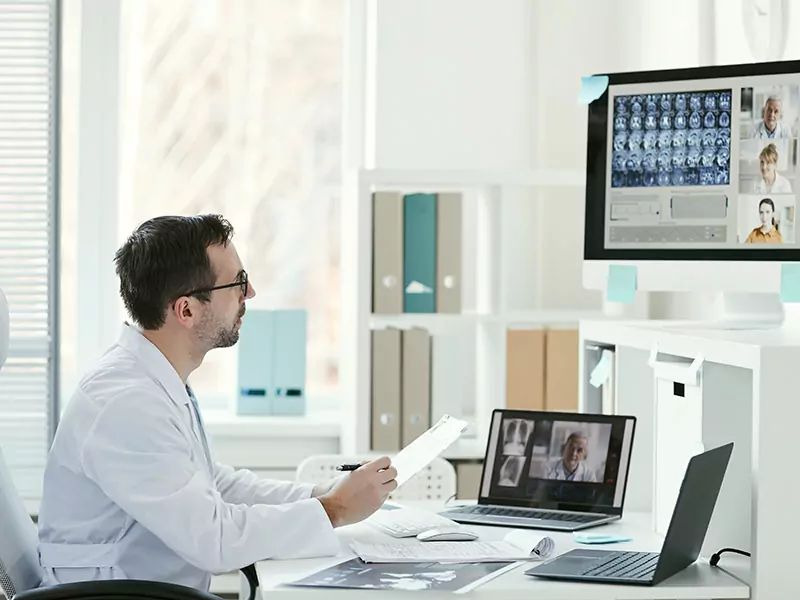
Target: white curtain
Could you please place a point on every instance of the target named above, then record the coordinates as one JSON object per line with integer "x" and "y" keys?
{"x": 28, "y": 234}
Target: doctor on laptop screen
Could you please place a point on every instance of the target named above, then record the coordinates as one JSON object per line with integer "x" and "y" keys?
{"x": 566, "y": 471}
{"x": 552, "y": 458}
{"x": 571, "y": 466}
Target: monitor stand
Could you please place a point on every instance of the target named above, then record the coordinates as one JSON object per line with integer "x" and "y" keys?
{"x": 740, "y": 311}
{"x": 745, "y": 310}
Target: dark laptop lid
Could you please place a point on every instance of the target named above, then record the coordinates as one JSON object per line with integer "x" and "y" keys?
{"x": 693, "y": 510}
{"x": 561, "y": 461}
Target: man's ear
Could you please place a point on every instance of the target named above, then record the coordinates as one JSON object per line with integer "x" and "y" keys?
{"x": 183, "y": 311}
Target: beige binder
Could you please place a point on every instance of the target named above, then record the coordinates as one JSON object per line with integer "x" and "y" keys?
{"x": 525, "y": 369}
{"x": 416, "y": 389}
{"x": 387, "y": 253}
{"x": 468, "y": 480}
{"x": 561, "y": 372}
{"x": 386, "y": 390}
{"x": 448, "y": 253}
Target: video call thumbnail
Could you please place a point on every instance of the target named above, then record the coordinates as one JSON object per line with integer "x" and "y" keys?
{"x": 672, "y": 139}
{"x": 557, "y": 450}
{"x": 768, "y": 164}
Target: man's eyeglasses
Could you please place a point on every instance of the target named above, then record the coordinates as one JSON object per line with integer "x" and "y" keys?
{"x": 240, "y": 282}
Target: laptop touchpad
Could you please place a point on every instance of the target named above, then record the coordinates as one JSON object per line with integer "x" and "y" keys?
{"x": 564, "y": 565}
{"x": 587, "y": 554}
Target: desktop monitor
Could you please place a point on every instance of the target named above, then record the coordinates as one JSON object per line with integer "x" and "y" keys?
{"x": 692, "y": 177}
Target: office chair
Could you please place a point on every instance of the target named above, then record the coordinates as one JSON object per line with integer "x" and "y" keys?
{"x": 437, "y": 481}
{"x": 20, "y": 572}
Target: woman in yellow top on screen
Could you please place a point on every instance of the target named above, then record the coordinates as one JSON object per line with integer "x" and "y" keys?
{"x": 771, "y": 181}
{"x": 768, "y": 232}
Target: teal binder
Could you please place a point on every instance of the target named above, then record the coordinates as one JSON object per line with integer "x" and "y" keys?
{"x": 255, "y": 371}
{"x": 419, "y": 253}
{"x": 289, "y": 362}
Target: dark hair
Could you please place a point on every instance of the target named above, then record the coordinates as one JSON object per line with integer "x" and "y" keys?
{"x": 772, "y": 205}
{"x": 165, "y": 258}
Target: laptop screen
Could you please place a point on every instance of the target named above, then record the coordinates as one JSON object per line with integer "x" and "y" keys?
{"x": 560, "y": 461}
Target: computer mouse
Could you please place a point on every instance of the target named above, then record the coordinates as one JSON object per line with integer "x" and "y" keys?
{"x": 447, "y": 534}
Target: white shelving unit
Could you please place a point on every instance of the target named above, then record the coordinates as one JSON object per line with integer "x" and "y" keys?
{"x": 748, "y": 384}
{"x": 484, "y": 305}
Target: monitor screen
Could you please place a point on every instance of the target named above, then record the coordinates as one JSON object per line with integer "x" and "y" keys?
{"x": 562, "y": 461}
{"x": 695, "y": 164}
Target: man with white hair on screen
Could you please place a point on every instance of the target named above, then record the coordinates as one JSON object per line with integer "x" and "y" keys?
{"x": 770, "y": 126}
{"x": 571, "y": 467}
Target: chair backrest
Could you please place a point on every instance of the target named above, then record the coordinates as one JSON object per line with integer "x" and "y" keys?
{"x": 437, "y": 481}
{"x": 19, "y": 559}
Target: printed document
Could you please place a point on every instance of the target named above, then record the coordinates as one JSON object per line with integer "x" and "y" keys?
{"x": 421, "y": 452}
{"x": 515, "y": 546}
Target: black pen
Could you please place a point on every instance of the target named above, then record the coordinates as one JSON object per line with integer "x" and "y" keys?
{"x": 347, "y": 467}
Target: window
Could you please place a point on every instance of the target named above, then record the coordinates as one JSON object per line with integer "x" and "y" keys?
{"x": 234, "y": 106}
{"x": 28, "y": 222}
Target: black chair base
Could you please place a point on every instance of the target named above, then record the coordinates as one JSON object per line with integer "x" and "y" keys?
{"x": 129, "y": 589}
{"x": 116, "y": 589}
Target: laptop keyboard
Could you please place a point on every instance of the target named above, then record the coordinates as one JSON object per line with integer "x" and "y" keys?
{"x": 626, "y": 565}
{"x": 527, "y": 513}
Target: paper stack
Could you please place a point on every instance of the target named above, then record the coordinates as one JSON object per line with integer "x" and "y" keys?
{"x": 515, "y": 546}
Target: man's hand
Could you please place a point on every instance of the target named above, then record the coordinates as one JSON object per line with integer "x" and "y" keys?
{"x": 359, "y": 494}
{"x": 326, "y": 486}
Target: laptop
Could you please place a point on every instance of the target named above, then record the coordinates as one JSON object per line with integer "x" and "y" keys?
{"x": 552, "y": 470}
{"x": 685, "y": 535}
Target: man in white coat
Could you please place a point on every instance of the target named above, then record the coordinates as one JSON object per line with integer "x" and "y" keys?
{"x": 570, "y": 467}
{"x": 131, "y": 489}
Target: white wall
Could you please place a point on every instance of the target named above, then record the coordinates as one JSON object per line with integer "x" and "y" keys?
{"x": 451, "y": 84}
{"x": 481, "y": 84}
{"x": 579, "y": 38}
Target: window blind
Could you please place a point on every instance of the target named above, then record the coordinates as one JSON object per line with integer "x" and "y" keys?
{"x": 29, "y": 49}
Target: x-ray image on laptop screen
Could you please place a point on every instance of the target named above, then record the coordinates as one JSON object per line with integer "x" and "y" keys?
{"x": 567, "y": 461}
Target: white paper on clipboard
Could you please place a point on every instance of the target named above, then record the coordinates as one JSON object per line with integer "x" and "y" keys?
{"x": 421, "y": 452}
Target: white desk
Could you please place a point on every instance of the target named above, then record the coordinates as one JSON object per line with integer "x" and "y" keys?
{"x": 700, "y": 581}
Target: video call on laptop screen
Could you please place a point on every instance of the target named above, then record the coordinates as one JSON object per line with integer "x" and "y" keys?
{"x": 561, "y": 461}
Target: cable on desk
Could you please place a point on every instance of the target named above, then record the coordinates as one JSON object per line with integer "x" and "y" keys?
{"x": 716, "y": 556}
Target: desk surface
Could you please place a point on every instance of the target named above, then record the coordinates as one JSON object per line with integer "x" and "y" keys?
{"x": 699, "y": 582}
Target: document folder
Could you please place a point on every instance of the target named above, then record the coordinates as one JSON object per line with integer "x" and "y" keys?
{"x": 387, "y": 253}
{"x": 419, "y": 253}
{"x": 416, "y": 394}
{"x": 386, "y": 390}
{"x": 289, "y": 362}
{"x": 448, "y": 253}
{"x": 255, "y": 352}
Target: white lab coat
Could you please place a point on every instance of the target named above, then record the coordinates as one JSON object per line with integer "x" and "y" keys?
{"x": 129, "y": 492}
{"x": 760, "y": 131}
{"x": 559, "y": 471}
{"x": 781, "y": 185}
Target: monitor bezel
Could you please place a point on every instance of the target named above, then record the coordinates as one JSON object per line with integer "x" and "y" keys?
{"x": 557, "y": 416}
{"x": 596, "y": 163}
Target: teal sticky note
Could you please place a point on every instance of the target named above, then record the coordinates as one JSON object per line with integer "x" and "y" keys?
{"x": 592, "y": 87}
{"x": 621, "y": 284}
{"x": 790, "y": 282}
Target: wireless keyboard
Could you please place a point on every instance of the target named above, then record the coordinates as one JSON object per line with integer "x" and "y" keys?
{"x": 407, "y": 522}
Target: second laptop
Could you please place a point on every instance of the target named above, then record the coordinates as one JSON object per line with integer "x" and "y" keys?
{"x": 550, "y": 470}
